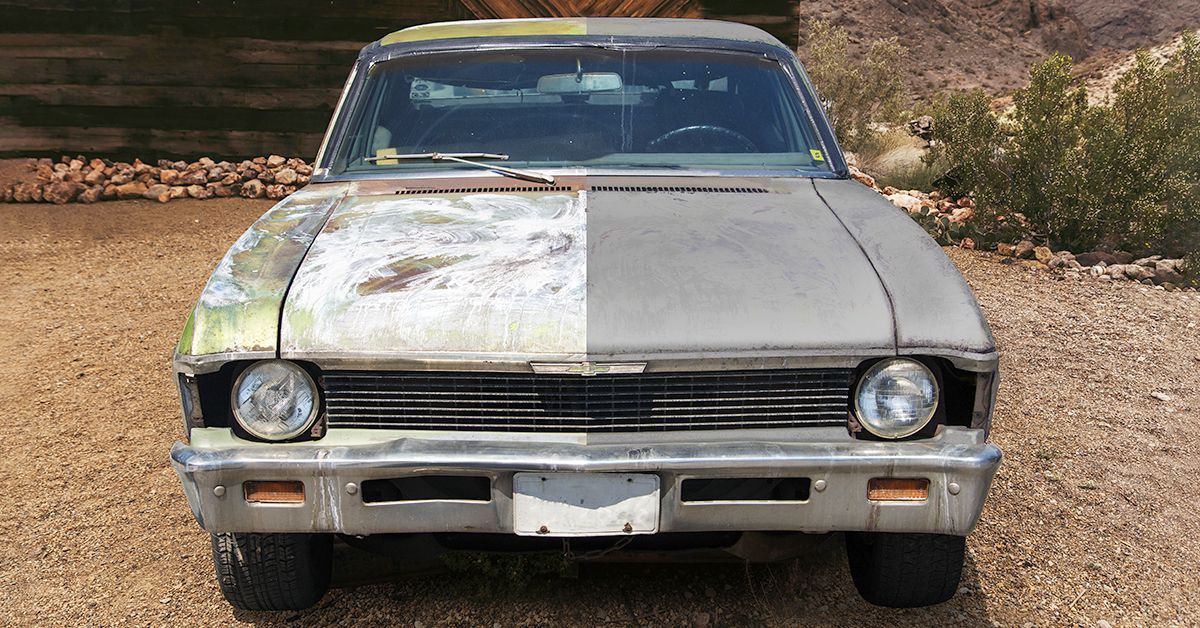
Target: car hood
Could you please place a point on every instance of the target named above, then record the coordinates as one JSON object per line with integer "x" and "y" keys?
{"x": 590, "y": 271}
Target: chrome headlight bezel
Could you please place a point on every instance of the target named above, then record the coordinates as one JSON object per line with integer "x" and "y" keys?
{"x": 874, "y": 425}
{"x": 246, "y": 424}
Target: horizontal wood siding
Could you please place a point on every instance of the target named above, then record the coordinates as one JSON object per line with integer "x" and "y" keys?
{"x": 176, "y": 79}
{"x": 182, "y": 79}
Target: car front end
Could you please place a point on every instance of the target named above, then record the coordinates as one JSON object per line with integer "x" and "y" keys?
{"x": 687, "y": 329}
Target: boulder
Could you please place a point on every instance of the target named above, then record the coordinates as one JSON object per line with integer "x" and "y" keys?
{"x": 275, "y": 161}
{"x": 199, "y": 192}
{"x": 962, "y": 214}
{"x": 169, "y": 176}
{"x": 178, "y": 191}
{"x": 1004, "y": 248}
{"x": 1043, "y": 254}
{"x": 62, "y": 192}
{"x": 193, "y": 177}
{"x": 158, "y": 192}
{"x": 91, "y": 195}
{"x": 921, "y": 127}
{"x": 133, "y": 189}
{"x": 1148, "y": 262}
{"x": 1095, "y": 257}
{"x": 907, "y": 202}
{"x": 855, "y": 173}
{"x": 95, "y": 177}
{"x": 285, "y": 176}
{"x": 1138, "y": 273}
{"x": 1165, "y": 273}
{"x": 254, "y": 189}
{"x": 221, "y": 190}
{"x": 276, "y": 191}
{"x": 1024, "y": 249}
{"x": 967, "y": 243}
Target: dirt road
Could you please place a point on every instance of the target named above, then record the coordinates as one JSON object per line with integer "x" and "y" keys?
{"x": 1092, "y": 517}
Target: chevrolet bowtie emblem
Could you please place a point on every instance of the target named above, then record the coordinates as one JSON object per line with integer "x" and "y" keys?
{"x": 587, "y": 369}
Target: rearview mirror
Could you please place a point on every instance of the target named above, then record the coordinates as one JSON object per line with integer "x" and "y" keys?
{"x": 585, "y": 83}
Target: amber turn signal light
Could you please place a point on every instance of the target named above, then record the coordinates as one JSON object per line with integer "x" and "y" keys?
{"x": 898, "y": 489}
{"x": 274, "y": 492}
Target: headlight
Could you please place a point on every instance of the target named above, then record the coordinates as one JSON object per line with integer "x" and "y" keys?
{"x": 275, "y": 400}
{"x": 896, "y": 398}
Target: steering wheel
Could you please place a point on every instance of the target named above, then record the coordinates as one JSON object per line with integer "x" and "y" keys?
{"x": 711, "y": 137}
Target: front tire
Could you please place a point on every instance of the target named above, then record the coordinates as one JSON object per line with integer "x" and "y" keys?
{"x": 905, "y": 570}
{"x": 273, "y": 572}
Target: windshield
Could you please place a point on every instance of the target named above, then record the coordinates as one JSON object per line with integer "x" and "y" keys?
{"x": 584, "y": 107}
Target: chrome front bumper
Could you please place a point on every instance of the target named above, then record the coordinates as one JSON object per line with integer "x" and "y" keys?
{"x": 957, "y": 463}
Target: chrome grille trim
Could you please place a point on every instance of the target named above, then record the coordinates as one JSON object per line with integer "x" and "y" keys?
{"x": 449, "y": 400}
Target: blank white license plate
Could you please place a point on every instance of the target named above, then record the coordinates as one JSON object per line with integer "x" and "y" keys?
{"x": 585, "y": 504}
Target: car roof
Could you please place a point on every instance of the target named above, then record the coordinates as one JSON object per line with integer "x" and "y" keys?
{"x": 641, "y": 28}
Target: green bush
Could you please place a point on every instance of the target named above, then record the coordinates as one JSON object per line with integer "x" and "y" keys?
{"x": 859, "y": 92}
{"x": 967, "y": 145}
{"x": 1122, "y": 174}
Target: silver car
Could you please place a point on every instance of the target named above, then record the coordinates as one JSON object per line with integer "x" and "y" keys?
{"x": 584, "y": 286}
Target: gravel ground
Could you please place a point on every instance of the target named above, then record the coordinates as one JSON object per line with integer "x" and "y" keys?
{"x": 1090, "y": 518}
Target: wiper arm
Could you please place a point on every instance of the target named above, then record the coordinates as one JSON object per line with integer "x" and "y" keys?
{"x": 465, "y": 158}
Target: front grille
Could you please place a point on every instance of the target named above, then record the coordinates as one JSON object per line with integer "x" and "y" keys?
{"x": 528, "y": 402}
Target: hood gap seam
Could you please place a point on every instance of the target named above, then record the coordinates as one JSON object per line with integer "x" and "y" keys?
{"x": 882, "y": 284}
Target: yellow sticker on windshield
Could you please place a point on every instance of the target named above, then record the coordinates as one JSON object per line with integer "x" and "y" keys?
{"x": 816, "y": 155}
{"x": 384, "y": 152}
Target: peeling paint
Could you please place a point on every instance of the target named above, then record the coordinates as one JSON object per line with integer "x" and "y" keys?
{"x": 466, "y": 273}
{"x": 238, "y": 311}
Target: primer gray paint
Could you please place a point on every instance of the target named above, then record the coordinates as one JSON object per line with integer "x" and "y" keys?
{"x": 716, "y": 272}
{"x": 934, "y": 306}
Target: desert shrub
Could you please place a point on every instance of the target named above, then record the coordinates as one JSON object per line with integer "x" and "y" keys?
{"x": 1123, "y": 173}
{"x": 967, "y": 145}
{"x": 1044, "y": 160}
{"x": 859, "y": 92}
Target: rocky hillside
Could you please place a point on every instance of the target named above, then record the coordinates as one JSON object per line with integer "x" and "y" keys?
{"x": 990, "y": 43}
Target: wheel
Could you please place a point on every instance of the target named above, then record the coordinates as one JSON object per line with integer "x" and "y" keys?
{"x": 905, "y": 570}
{"x": 273, "y": 572}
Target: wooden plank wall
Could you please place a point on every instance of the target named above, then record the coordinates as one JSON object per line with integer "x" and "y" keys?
{"x": 165, "y": 78}
{"x": 181, "y": 79}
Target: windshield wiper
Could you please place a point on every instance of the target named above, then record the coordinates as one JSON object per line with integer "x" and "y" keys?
{"x": 465, "y": 158}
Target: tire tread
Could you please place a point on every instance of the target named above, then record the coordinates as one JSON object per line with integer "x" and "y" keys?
{"x": 272, "y": 572}
{"x": 905, "y": 570}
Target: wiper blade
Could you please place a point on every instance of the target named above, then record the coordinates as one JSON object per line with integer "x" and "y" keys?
{"x": 465, "y": 158}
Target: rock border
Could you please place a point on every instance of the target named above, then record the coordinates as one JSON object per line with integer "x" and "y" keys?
{"x": 84, "y": 180}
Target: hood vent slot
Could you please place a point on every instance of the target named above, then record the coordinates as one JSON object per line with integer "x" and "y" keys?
{"x": 678, "y": 189}
{"x": 489, "y": 190}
